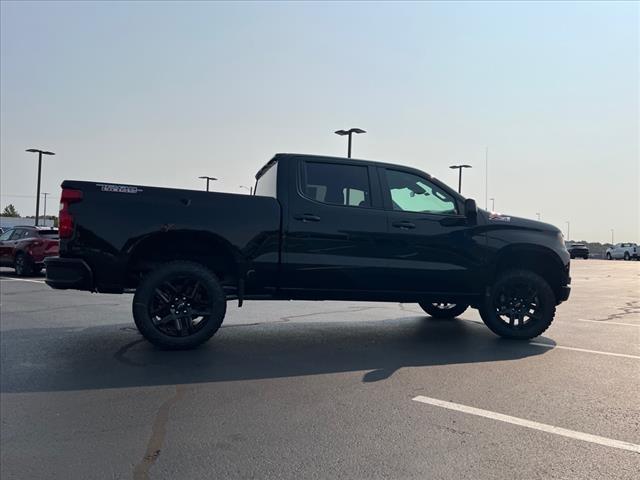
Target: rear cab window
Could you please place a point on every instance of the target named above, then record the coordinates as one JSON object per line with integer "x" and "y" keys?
{"x": 267, "y": 181}
{"x": 336, "y": 184}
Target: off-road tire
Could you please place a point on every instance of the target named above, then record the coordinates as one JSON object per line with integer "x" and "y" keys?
{"x": 544, "y": 301}
{"x": 438, "y": 310}
{"x": 146, "y": 295}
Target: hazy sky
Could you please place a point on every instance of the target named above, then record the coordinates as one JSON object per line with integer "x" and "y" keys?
{"x": 160, "y": 93}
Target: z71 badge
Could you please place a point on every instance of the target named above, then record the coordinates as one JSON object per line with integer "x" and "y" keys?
{"x": 105, "y": 187}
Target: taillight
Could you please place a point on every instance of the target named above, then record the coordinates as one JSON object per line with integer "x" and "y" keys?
{"x": 65, "y": 219}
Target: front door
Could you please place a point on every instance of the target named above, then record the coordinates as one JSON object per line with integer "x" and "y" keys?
{"x": 336, "y": 226}
{"x": 434, "y": 248}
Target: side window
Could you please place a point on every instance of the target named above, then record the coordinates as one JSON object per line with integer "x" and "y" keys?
{"x": 18, "y": 233}
{"x": 268, "y": 182}
{"x": 337, "y": 184}
{"x": 6, "y": 235}
{"x": 411, "y": 193}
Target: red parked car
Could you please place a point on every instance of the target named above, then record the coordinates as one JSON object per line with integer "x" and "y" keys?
{"x": 25, "y": 248}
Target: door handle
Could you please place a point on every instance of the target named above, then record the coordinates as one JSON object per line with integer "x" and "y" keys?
{"x": 404, "y": 225}
{"x": 307, "y": 217}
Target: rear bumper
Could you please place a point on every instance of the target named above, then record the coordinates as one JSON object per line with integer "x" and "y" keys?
{"x": 68, "y": 273}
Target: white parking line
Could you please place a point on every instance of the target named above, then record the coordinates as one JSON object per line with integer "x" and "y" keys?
{"x": 606, "y": 322}
{"x": 587, "y": 437}
{"x": 575, "y": 349}
{"x": 6, "y": 279}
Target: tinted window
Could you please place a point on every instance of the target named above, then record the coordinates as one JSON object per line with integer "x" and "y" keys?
{"x": 337, "y": 184}
{"x": 48, "y": 233}
{"x": 267, "y": 183}
{"x": 411, "y": 193}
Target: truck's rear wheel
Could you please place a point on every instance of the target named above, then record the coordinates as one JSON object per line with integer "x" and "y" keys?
{"x": 519, "y": 305}
{"x": 179, "y": 305}
{"x": 444, "y": 310}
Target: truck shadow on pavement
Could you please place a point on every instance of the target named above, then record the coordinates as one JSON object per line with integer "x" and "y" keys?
{"x": 116, "y": 356}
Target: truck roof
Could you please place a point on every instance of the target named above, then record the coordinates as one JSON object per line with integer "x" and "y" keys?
{"x": 285, "y": 156}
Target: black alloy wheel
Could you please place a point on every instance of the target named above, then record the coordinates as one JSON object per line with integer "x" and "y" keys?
{"x": 520, "y": 305}
{"x": 179, "y": 305}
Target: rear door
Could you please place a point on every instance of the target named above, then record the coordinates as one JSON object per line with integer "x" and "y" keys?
{"x": 434, "y": 248}
{"x": 336, "y": 228}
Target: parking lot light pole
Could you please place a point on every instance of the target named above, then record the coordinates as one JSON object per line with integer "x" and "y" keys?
{"x": 208, "y": 179}
{"x": 568, "y": 230}
{"x": 40, "y": 153}
{"x": 612, "y": 237}
{"x": 349, "y": 132}
{"x": 44, "y": 215}
{"x": 249, "y": 189}
{"x": 493, "y": 204}
{"x": 460, "y": 167}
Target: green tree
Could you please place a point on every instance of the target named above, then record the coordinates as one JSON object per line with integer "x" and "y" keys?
{"x": 10, "y": 211}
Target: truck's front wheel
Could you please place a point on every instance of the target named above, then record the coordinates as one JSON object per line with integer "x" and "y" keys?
{"x": 179, "y": 305}
{"x": 520, "y": 305}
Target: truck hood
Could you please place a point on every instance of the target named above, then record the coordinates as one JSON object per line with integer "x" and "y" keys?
{"x": 494, "y": 218}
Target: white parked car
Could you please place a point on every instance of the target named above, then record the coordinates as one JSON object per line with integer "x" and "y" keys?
{"x": 627, "y": 251}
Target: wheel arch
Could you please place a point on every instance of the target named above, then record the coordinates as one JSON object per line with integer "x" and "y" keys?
{"x": 538, "y": 259}
{"x": 206, "y": 248}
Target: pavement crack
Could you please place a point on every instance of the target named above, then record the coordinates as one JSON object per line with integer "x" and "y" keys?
{"x": 158, "y": 434}
{"x": 293, "y": 317}
{"x": 66, "y": 307}
{"x": 405, "y": 308}
{"x": 630, "y": 308}
{"x": 119, "y": 355}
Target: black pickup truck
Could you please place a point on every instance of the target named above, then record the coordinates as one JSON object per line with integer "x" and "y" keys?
{"x": 316, "y": 228}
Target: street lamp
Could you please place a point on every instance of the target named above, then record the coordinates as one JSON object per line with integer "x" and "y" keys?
{"x": 568, "y": 230}
{"x": 612, "y": 237}
{"x": 349, "y": 132}
{"x": 40, "y": 153}
{"x": 460, "y": 167}
{"x": 493, "y": 204}
{"x": 208, "y": 179}
{"x": 249, "y": 189}
{"x": 44, "y": 194}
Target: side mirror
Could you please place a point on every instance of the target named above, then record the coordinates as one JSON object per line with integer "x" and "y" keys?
{"x": 470, "y": 209}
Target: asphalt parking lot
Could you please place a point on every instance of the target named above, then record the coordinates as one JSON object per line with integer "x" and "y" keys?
{"x": 322, "y": 390}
